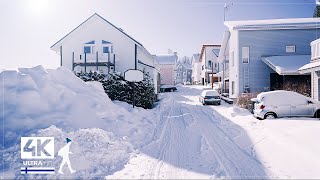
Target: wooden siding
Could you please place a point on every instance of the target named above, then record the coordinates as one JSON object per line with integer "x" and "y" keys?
{"x": 270, "y": 43}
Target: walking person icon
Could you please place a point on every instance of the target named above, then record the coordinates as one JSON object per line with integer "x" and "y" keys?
{"x": 64, "y": 153}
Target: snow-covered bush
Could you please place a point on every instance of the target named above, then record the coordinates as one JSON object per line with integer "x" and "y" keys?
{"x": 244, "y": 101}
{"x": 119, "y": 89}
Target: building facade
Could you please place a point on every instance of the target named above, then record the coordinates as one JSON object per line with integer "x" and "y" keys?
{"x": 196, "y": 69}
{"x": 264, "y": 54}
{"x": 209, "y": 61}
{"x": 183, "y": 71}
{"x": 98, "y": 45}
{"x": 167, "y": 64}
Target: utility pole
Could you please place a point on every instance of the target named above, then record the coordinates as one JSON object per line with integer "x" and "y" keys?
{"x": 212, "y": 74}
{"x": 226, "y": 7}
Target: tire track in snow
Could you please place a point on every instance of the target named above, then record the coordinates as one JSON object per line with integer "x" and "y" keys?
{"x": 236, "y": 162}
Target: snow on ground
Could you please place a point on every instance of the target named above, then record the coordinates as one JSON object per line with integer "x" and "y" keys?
{"x": 287, "y": 145}
{"x": 34, "y": 99}
{"x": 180, "y": 138}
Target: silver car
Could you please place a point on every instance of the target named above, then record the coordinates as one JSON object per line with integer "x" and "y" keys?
{"x": 273, "y": 104}
{"x": 210, "y": 97}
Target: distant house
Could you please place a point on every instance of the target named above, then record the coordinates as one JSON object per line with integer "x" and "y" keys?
{"x": 264, "y": 55}
{"x": 314, "y": 68}
{"x": 196, "y": 69}
{"x": 98, "y": 45}
{"x": 183, "y": 71}
{"x": 208, "y": 58}
{"x": 167, "y": 64}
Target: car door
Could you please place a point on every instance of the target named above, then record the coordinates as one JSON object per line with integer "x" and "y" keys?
{"x": 303, "y": 109}
{"x": 301, "y": 106}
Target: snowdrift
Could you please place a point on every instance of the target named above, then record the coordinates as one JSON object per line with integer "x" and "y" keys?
{"x": 34, "y": 99}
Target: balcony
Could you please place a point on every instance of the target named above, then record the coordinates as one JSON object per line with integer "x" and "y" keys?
{"x": 94, "y": 59}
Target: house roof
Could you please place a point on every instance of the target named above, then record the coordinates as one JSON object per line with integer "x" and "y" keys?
{"x": 166, "y": 58}
{"x": 310, "y": 67}
{"x": 290, "y": 23}
{"x": 207, "y": 45}
{"x": 286, "y": 65}
{"x": 196, "y": 57}
{"x": 186, "y": 64}
{"x": 96, "y": 15}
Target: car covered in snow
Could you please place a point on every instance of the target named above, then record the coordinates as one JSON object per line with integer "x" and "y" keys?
{"x": 210, "y": 97}
{"x": 274, "y": 104}
{"x": 167, "y": 88}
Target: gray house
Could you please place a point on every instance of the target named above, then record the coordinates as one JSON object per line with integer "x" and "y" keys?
{"x": 183, "y": 71}
{"x": 264, "y": 55}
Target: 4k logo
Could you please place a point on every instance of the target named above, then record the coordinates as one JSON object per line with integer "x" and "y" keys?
{"x": 37, "y": 147}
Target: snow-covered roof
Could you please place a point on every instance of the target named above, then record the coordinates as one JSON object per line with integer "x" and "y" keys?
{"x": 166, "y": 58}
{"x": 196, "y": 57}
{"x": 54, "y": 46}
{"x": 205, "y": 46}
{"x": 286, "y": 65}
{"x": 290, "y": 23}
{"x": 313, "y": 66}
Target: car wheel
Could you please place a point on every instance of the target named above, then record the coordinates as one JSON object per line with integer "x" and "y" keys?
{"x": 172, "y": 90}
{"x": 219, "y": 103}
{"x": 270, "y": 115}
{"x": 317, "y": 114}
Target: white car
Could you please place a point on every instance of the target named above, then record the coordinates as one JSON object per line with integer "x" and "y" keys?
{"x": 210, "y": 97}
{"x": 274, "y": 104}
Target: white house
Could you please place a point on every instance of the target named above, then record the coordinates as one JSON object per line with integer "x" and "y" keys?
{"x": 208, "y": 58}
{"x": 167, "y": 64}
{"x": 314, "y": 68}
{"x": 196, "y": 69}
{"x": 263, "y": 55}
{"x": 98, "y": 45}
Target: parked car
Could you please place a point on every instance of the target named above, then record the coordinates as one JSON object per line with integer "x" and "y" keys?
{"x": 167, "y": 88}
{"x": 210, "y": 97}
{"x": 274, "y": 104}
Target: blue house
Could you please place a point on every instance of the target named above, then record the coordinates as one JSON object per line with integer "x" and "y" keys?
{"x": 263, "y": 55}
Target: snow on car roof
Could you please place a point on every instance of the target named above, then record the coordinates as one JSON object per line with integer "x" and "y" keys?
{"x": 210, "y": 93}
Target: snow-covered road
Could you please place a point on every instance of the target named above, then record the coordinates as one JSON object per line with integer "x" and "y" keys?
{"x": 193, "y": 141}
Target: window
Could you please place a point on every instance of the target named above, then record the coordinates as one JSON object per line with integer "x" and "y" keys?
{"x": 180, "y": 68}
{"x": 178, "y": 74}
{"x": 290, "y": 49}
{"x": 232, "y": 58}
{"x": 202, "y": 67}
{"x": 87, "y": 49}
{"x": 245, "y": 54}
{"x": 184, "y": 73}
{"x": 105, "y": 49}
{"x": 209, "y": 64}
{"x": 232, "y": 87}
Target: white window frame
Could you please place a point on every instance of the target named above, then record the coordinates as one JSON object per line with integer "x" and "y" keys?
{"x": 290, "y": 49}
{"x": 232, "y": 58}
{"x": 91, "y": 48}
{"x": 109, "y": 47}
{"x": 246, "y": 55}
{"x": 232, "y": 87}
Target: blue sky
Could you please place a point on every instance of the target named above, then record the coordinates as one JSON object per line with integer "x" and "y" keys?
{"x": 30, "y": 27}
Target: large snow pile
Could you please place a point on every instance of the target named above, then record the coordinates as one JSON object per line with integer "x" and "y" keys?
{"x": 35, "y": 98}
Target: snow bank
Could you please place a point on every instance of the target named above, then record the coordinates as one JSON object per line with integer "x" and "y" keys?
{"x": 35, "y": 98}
{"x": 95, "y": 153}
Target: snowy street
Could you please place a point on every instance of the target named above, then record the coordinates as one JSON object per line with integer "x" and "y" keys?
{"x": 193, "y": 141}
{"x": 178, "y": 139}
